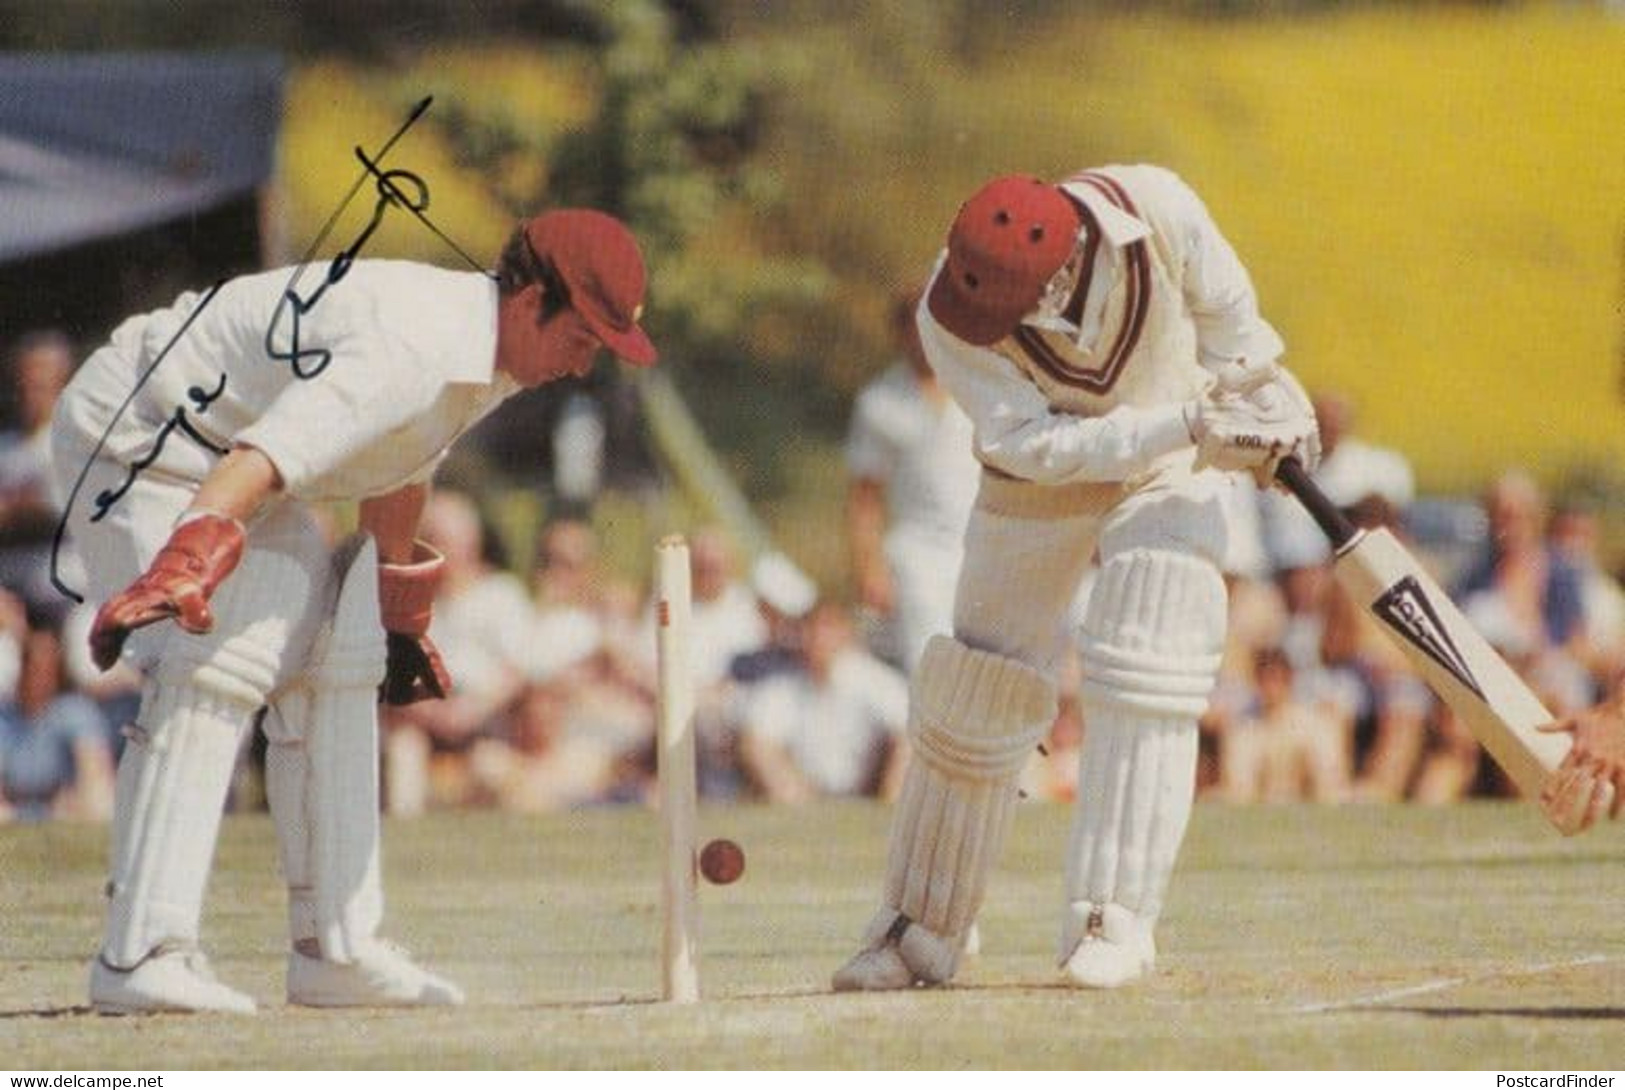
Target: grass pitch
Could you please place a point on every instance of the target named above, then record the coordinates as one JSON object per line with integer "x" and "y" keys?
{"x": 1351, "y": 937}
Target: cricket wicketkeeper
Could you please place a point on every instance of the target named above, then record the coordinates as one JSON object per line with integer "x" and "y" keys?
{"x": 1106, "y": 343}
{"x": 265, "y": 396}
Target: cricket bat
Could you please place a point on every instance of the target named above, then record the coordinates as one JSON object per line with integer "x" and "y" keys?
{"x": 1456, "y": 661}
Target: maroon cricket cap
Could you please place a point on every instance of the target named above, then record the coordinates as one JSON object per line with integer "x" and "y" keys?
{"x": 602, "y": 269}
{"x": 1006, "y": 243}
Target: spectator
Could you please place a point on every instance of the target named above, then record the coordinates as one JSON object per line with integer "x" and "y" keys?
{"x": 1352, "y": 471}
{"x": 1574, "y": 534}
{"x": 1258, "y": 619}
{"x": 834, "y": 727}
{"x": 784, "y": 596}
{"x": 481, "y": 626}
{"x": 1363, "y": 677}
{"x": 541, "y": 766}
{"x": 116, "y": 691}
{"x": 54, "y": 757}
{"x": 587, "y": 641}
{"x": 1290, "y": 749}
{"x": 13, "y": 634}
{"x": 1356, "y": 475}
{"x": 1450, "y": 766}
{"x": 1532, "y": 584}
{"x": 568, "y": 588}
{"x": 726, "y": 621}
{"x": 913, "y": 480}
{"x": 38, "y": 368}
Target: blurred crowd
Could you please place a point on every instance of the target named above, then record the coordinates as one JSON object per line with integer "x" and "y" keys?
{"x": 803, "y": 694}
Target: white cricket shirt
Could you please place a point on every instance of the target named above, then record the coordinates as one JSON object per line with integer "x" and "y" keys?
{"x": 397, "y": 360}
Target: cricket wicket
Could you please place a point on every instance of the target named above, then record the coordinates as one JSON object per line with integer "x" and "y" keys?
{"x": 675, "y": 769}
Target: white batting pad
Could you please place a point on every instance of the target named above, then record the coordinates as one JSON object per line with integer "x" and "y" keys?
{"x": 975, "y": 718}
{"x": 1153, "y": 634}
{"x": 171, "y": 789}
{"x": 1135, "y": 787}
{"x": 174, "y": 774}
{"x": 322, "y": 769}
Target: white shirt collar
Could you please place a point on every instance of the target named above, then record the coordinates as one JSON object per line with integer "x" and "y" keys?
{"x": 1117, "y": 227}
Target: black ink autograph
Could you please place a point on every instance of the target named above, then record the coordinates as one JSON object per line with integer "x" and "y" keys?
{"x": 178, "y": 421}
{"x": 305, "y": 362}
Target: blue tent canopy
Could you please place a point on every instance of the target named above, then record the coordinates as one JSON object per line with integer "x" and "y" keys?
{"x": 98, "y": 145}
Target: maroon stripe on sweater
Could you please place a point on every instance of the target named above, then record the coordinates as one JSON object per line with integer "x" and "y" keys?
{"x": 1139, "y": 300}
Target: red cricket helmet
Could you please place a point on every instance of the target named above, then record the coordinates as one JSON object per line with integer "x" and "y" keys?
{"x": 602, "y": 269}
{"x": 1008, "y": 240}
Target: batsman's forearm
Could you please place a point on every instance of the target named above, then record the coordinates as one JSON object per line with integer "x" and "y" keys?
{"x": 1059, "y": 448}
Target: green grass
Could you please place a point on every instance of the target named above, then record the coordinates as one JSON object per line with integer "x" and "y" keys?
{"x": 1454, "y": 938}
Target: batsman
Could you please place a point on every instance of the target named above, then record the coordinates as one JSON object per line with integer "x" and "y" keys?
{"x": 1106, "y": 343}
{"x": 194, "y": 445}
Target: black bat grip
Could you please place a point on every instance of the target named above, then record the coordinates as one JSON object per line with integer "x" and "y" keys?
{"x": 1327, "y": 515}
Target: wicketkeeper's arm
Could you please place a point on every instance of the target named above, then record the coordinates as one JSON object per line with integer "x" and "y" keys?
{"x": 409, "y": 577}
{"x": 239, "y": 486}
{"x": 392, "y": 520}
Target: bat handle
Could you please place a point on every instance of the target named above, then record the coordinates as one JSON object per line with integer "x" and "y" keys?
{"x": 1327, "y": 515}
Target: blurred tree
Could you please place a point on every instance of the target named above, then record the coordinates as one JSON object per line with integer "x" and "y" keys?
{"x": 671, "y": 151}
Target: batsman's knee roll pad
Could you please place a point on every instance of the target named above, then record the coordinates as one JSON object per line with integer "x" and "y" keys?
{"x": 975, "y": 719}
{"x": 1153, "y": 633}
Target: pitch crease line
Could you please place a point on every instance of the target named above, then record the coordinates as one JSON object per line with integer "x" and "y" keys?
{"x": 1444, "y": 983}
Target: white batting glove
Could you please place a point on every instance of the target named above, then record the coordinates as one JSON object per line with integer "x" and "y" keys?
{"x": 1251, "y": 418}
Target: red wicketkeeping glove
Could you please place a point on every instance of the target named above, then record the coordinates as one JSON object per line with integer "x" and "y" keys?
{"x": 195, "y": 560}
{"x": 413, "y": 670}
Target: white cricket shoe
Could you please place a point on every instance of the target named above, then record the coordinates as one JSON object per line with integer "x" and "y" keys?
{"x": 171, "y": 980}
{"x": 1115, "y": 948}
{"x": 382, "y": 975}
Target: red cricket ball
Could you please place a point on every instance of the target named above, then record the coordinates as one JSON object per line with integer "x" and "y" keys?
{"x": 722, "y": 862}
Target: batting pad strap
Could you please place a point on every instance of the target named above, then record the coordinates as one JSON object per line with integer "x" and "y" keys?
{"x": 976, "y": 715}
